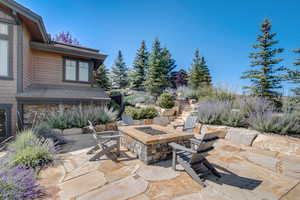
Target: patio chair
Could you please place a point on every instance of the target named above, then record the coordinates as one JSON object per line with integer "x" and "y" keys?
{"x": 127, "y": 120}
{"x": 189, "y": 123}
{"x": 193, "y": 159}
{"x": 108, "y": 143}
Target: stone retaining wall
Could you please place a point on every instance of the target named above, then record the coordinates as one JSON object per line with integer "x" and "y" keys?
{"x": 283, "y": 144}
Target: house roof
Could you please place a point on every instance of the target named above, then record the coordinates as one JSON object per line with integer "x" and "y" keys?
{"x": 62, "y": 93}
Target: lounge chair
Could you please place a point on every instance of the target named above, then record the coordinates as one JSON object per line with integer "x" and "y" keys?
{"x": 193, "y": 159}
{"x": 189, "y": 124}
{"x": 108, "y": 143}
{"x": 127, "y": 120}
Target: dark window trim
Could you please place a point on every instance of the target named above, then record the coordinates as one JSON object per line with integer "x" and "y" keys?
{"x": 77, "y": 60}
{"x": 9, "y": 38}
{"x": 7, "y": 108}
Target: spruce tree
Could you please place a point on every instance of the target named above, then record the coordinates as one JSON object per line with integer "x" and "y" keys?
{"x": 119, "y": 72}
{"x": 265, "y": 76}
{"x": 199, "y": 74}
{"x": 294, "y": 75}
{"x": 140, "y": 65}
{"x": 160, "y": 66}
{"x": 101, "y": 77}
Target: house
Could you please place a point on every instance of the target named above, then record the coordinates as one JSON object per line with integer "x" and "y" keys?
{"x": 37, "y": 74}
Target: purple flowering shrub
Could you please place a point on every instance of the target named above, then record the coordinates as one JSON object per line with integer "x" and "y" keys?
{"x": 19, "y": 183}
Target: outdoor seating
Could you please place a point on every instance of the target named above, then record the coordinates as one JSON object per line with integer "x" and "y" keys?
{"x": 127, "y": 120}
{"x": 107, "y": 143}
{"x": 189, "y": 124}
{"x": 193, "y": 159}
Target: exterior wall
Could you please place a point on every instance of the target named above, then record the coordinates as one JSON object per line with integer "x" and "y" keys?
{"x": 27, "y": 56}
{"x": 34, "y": 113}
{"x": 48, "y": 69}
{"x": 8, "y": 88}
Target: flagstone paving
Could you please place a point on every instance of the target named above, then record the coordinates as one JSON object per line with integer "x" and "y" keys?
{"x": 247, "y": 173}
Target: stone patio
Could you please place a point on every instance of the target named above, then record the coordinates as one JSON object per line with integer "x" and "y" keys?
{"x": 247, "y": 173}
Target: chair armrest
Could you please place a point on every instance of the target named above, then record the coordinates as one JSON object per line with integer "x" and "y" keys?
{"x": 181, "y": 148}
{"x": 195, "y": 141}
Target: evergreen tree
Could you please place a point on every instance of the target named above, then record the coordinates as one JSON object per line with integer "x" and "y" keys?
{"x": 294, "y": 75}
{"x": 199, "y": 75}
{"x": 266, "y": 77}
{"x": 119, "y": 72}
{"x": 101, "y": 77}
{"x": 160, "y": 66}
{"x": 140, "y": 65}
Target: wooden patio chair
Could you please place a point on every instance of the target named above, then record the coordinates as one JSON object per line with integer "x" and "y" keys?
{"x": 193, "y": 159}
{"x": 127, "y": 120}
{"x": 189, "y": 123}
{"x": 108, "y": 143}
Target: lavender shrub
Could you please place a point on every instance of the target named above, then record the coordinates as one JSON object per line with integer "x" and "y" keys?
{"x": 19, "y": 183}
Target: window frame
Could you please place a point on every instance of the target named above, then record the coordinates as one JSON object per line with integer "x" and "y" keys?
{"x": 7, "y": 108}
{"x": 89, "y": 62}
{"x": 8, "y": 38}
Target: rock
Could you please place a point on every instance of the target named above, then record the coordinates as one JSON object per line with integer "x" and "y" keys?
{"x": 57, "y": 131}
{"x": 286, "y": 145}
{"x": 100, "y": 128}
{"x": 81, "y": 185}
{"x": 168, "y": 112}
{"x": 111, "y": 127}
{"x": 72, "y": 131}
{"x": 293, "y": 194}
{"x": 290, "y": 166}
{"x": 163, "y": 121}
{"x": 241, "y": 136}
{"x": 153, "y": 173}
{"x": 52, "y": 175}
{"x": 195, "y": 196}
{"x": 148, "y": 121}
{"x": 120, "y": 190}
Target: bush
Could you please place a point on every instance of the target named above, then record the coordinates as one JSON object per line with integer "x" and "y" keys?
{"x": 30, "y": 151}
{"x": 141, "y": 113}
{"x": 79, "y": 117}
{"x": 166, "y": 100}
{"x": 138, "y": 98}
{"x": 19, "y": 183}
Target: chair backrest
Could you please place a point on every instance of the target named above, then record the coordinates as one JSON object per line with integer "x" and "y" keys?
{"x": 127, "y": 119}
{"x": 190, "y": 122}
{"x": 92, "y": 128}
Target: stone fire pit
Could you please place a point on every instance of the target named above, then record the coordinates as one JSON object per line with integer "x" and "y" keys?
{"x": 150, "y": 142}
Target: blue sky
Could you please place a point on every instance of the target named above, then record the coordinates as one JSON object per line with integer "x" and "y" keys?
{"x": 223, "y": 30}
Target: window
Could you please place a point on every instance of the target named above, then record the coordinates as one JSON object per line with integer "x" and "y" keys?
{"x": 4, "y": 50}
{"x": 5, "y": 123}
{"x": 76, "y": 70}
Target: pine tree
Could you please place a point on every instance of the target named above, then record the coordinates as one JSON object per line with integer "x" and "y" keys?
{"x": 266, "y": 77}
{"x": 101, "y": 77}
{"x": 119, "y": 72}
{"x": 140, "y": 65}
{"x": 294, "y": 75}
{"x": 160, "y": 66}
{"x": 199, "y": 75}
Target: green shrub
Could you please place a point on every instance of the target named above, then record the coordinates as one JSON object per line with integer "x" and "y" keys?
{"x": 79, "y": 117}
{"x": 233, "y": 118}
{"x": 141, "y": 113}
{"x": 166, "y": 100}
{"x": 30, "y": 151}
{"x": 138, "y": 98}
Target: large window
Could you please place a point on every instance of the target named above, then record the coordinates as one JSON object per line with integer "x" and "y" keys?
{"x": 76, "y": 70}
{"x": 4, "y": 50}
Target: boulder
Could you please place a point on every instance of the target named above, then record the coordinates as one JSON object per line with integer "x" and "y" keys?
{"x": 163, "y": 121}
{"x": 241, "y": 136}
{"x": 168, "y": 112}
{"x": 111, "y": 127}
{"x": 72, "y": 131}
{"x": 285, "y": 145}
{"x": 100, "y": 128}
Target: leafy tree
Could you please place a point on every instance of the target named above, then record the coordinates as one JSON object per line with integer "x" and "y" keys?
{"x": 159, "y": 68}
{"x": 101, "y": 77}
{"x": 119, "y": 72}
{"x": 199, "y": 75}
{"x": 140, "y": 65}
{"x": 179, "y": 78}
{"x": 66, "y": 37}
{"x": 265, "y": 76}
